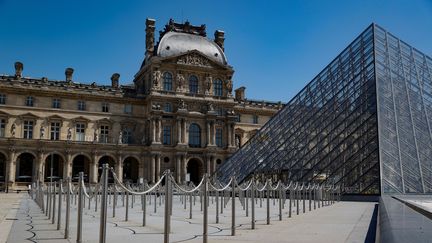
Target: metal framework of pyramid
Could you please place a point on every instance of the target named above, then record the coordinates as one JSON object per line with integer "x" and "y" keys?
{"x": 364, "y": 122}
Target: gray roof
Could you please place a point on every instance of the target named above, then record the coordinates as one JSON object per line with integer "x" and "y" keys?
{"x": 175, "y": 43}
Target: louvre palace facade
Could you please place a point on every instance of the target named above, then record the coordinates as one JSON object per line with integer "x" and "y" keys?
{"x": 179, "y": 113}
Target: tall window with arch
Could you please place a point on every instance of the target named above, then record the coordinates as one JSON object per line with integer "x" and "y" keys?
{"x": 193, "y": 84}
{"x": 194, "y": 135}
{"x": 217, "y": 84}
{"x": 167, "y": 81}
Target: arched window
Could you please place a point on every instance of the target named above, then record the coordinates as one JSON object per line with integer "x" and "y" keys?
{"x": 217, "y": 84}
{"x": 194, "y": 135}
{"x": 193, "y": 84}
{"x": 167, "y": 81}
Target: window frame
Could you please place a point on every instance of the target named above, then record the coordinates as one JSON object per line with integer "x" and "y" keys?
{"x": 218, "y": 87}
{"x": 105, "y": 107}
{"x": 219, "y": 137}
{"x": 80, "y": 136}
{"x": 194, "y": 135}
{"x": 127, "y": 110}
{"x": 193, "y": 84}
{"x": 55, "y": 133}
{"x": 167, "y": 82}
{"x": 29, "y": 101}
{"x": 28, "y": 128}
{"x": 166, "y": 135}
{"x": 3, "y": 99}
{"x": 104, "y": 131}
{"x": 2, "y": 127}
{"x": 82, "y": 106}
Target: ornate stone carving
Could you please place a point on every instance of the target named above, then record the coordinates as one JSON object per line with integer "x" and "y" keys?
{"x": 69, "y": 134}
{"x": 13, "y": 130}
{"x": 208, "y": 84}
{"x": 156, "y": 106}
{"x": 180, "y": 81}
{"x": 229, "y": 85}
{"x": 42, "y": 132}
{"x": 120, "y": 138}
{"x": 182, "y": 105}
{"x": 156, "y": 77}
{"x": 194, "y": 60}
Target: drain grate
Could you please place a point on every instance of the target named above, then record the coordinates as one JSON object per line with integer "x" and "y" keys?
{"x": 10, "y": 219}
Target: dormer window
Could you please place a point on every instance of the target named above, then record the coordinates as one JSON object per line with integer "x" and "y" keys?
{"x": 29, "y": 101}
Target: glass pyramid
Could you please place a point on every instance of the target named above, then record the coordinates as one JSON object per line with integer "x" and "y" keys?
{"x": 364, "y": 122}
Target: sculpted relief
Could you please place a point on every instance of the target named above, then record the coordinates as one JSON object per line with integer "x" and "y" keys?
{"x": 194, "y": 59}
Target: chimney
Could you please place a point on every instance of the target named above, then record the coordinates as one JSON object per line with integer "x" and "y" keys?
{"x": 18, "y": 70}
{"x": 150, "y": 28}
{"x": 115, "y": 80}
{"x": 240, "y": 94}
{"x": 68, "y": 73}
{"x": 219, "y": 38}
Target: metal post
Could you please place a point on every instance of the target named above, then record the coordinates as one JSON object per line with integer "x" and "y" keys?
{"x": 205, "y": 219}
{"x": 290, "y": 202}
{"x": 233, "y": 206}
{"x": 48, "y": 211}
{"x": 190, "y": 205}
{"x": 68, "y": 199}
{"x": 217, "y": 206}
{"x": 297, "y": 200}
{"x": 167, "y": 217}
{"x": 268, "y": 202}
{"x": 80, "y": 208}
{"x": 246, "y": 202}
{"x": 304, "y": 199}
{"x": 155, "y": 203}
{"x": 280, "y": 202}
{"x": 144, "y": 208}
{"x": 253, "y": 205}
{"x": 54, "y": 203}
{"x": 310, "y": 198}
{"x": 114, "y": 200}
{"x": 103, "y": 211}
{"x": 127, "y": 206}
{"x": 59, "y": 205}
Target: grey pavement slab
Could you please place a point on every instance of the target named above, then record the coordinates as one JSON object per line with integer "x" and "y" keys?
{"x": 340, "y": 222}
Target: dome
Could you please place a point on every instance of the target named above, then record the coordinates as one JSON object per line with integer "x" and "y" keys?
{"x": 175, "y": 43}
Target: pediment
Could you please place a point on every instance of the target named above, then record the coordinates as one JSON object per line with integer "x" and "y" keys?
{"x": 55, "y": 117}
{"x": 28, "y": 115}
{"x": 194, "y": 58}
{"x": 80, "y": 119}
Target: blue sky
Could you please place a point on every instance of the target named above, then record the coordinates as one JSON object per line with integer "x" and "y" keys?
{"x": 275, "y": 47}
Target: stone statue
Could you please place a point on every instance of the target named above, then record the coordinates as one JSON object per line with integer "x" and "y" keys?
{"x": 95, "y": 136}
{"x": 13, "y": 130}
{"x": 120, "y": 139}
{"x": 69, "y": 134}
{"x": 156, "y": 78}
{"x": 229, "y": 85}
{"x": 210, "y": 106}
{"x": 237, "y": 141}
{"x": 182, "y": 105}
{"x": 208, "y": 83}
{"x": 180, "y": 81}
{"x": 42, "y": 132}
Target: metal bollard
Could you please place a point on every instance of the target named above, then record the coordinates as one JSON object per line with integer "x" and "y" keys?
{"x": 310, "y": 198}
{"x": 268, "y": 203}
{"x": 48, "y": 208}
{"x": 246, "y": 202}
{"x": 280, "y": 202}
{"x": 190, "y": 205}
{"x": 127, "y": 206}
{"x": 167, "y": 216}
{"x": 304, "y": 199}
{"x": 144, "y": 208}
{"x": 103, "y": 211}
{"x": 233, "y": 206}
{"x": 205, "y": 219}
{"x": 54, "y": 203}
{"x": 80, "y": 208}
{"x": 217, "y": 206}
{"x": 59, "y": 205}
{"x": 114, "y": 200}
{"x": 297, "y": 201}
{"x": 253, "y": 205}
{"x": 290, "y": 202}
{"x": 68, "y": 200}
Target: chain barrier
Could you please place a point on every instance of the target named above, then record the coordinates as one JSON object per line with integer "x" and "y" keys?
{"x": 249, "y": 194}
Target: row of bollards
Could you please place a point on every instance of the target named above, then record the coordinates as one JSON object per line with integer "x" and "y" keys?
{"x": 296, "y": 194}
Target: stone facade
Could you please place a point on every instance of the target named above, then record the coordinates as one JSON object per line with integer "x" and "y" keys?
{"x": 179, "y": 114}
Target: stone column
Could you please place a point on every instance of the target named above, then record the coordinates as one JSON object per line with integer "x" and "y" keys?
{"x": 11, "y": 167}
{"x": 208, "y": 133}
{"x": 213, "y": 133}
{"x": 229, "y": 135}
{"x": 178, "y": 168}
{"x": 158, "y": 166}
{"x": 208, "y": 164}
{"x": 119, "y": 168}
{"x": 214, "y": 164}
{"x": 152, "y": 176}
{"x": 40, "y": 171}
{"x": 153, "y": 130}
{"x": 141, "y": 167}
{"x": 67, "y": 167}
{"x": 183, "y": 168}
{"x": 159, "y": 132}
{"x": 232, "y": 134}
{"x": 94, "y": 169}
{"x": 184, "y": 133}
{"x": 179, "y": 131}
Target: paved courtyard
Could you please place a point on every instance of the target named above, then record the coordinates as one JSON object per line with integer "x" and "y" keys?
{"x": 340, "y": 222}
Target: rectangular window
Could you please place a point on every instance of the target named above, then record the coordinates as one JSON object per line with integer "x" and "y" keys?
{"x": 168, "y": 107}
{"x": 2, "y": 99}
{"x": 105, "y": 107}
{"x": 127, "y": 136}
{"x": 255, "y": 119}
{"x": 104, "y": 134}
{"x": 80, "y": 132}
{"x": 29, "y": 101}
{"x": 81, "y": 105}
{"x": 2, "y": 128}
{"x": 167, "y": 135}
{"x": 55, "y": 130}
{"x": 56, "y": 103}
{"x": 219, "y": 137}
{"x": 238, "y": 118}
{"x": 28, "y": 129}
{"x": 128, "y": 109}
